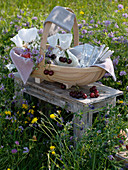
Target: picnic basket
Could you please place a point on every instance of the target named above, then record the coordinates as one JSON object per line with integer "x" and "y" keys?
{"x": 66, "y": 75}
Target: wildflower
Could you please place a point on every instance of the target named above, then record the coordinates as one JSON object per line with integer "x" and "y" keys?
{"x": 23, "y": 112}
{"x": 31, "y": 111}
{"x": 1, "y": 87}
{"x": 127, "y": 88}
{"x": 1, "y": 147}
{"x": 116, "y": 11}
{"x": 8, "y": 169}
{"x": 111, "y": 34}
{"x": 11, "y": 75}
{"x": 80, "y": 26}
{"x": 53, "y": 152}
{"x": 115, "y": 61}
{"x": 81, "y": 12}
{"x": 92, "y": 21}
{"x": 40, "y": 31}
{"x": 26, "y": 122}
{"x": 111, "y": 157}
{"x": 91, "y": 106}
{"x": 52, "y": 147}
{"x": 119, "y": 82}
{"x": 14, "y": 151}
{"x": 52, "y": 116}
{"x": 107, "y": 22}
{"x": 33, "y": 106}
{"x": 26, "y": 150}
{"x": 125, "y": 15}
{"x": 34, "y": 18}
{"x": 24, "y": 106}
{"x": 122, "y": 73}
{"x": 34, "y": 120}
{"x": 120, "y": 6}
{"x": 121, "y": 101}
{"x": 99, "y": 131}
{"x": 17, "y": 142}
{"x": 84, "y": 31}
{"x": 8, "y": 113}
{"x": 116, "y": 26}
{"x": 19, "y": 16}
{"x": 121, "y": 142}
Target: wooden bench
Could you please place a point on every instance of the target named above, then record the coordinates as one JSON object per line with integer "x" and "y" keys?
{"x": 52, "y": 93}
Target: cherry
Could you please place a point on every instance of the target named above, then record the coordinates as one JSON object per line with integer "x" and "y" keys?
{"x": 63, "y": 86}
{"x": 84, "y": 96}
{"x": 53, "y": 56}
{"x": 92, "y": 95}
{"x": 26, "y": 55}
{"x": 93, "y": 88}
{"x": 96, "y": 91}
{"x": 78, "y": 94}
{"x": 64, "y": 59}
{"x": 69, "y": 61}
{"x": 71, "y": 93}
{"x": 51, "y": 72}
{"x": 48, "y": 62}
{"x": 46, "y": 72}
{"x": 61, "y": 59}
{"x": 97, "y": 94}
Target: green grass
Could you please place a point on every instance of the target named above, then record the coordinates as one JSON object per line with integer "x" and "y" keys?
{"x": 93, "y": 151}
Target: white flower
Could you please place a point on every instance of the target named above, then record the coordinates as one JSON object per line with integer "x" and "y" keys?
{"x": 17, "y": 40}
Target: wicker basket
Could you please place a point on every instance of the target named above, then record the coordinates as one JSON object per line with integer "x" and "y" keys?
{"x": 67, "y": 75}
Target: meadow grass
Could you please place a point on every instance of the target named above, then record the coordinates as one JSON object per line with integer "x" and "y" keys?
{"x": 29, "y": 139}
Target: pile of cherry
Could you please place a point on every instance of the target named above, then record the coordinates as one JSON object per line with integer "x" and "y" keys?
{"x": 94, "y": 93}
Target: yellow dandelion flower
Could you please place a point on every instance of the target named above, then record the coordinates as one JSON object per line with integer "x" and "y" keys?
{"x": 81, "y": 12}
{"x": 52, "y": 116}
{"x": 34, "y": 120}
{"x": 52, "y": 147}
{"x": 31, "y": 111}
{"x": 121, "y": 101}
{"x": 24, "y": 106}
{"x": 26, "y": 122}
{"x": 8, "y": 169}
{"x": 33, "y": 106}
{"x": 23, "y": 112}
{"x": 53, "y": 152}
{"x": 8, "y": 113}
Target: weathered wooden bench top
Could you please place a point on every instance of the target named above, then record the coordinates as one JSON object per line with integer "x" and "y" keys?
{"x": 51, "y": 92}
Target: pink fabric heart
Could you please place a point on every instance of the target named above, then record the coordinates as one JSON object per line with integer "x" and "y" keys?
{"x": 23, "y": 65}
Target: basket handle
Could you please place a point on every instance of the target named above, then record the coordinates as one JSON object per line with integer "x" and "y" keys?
{"x": 46, "y": 31}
